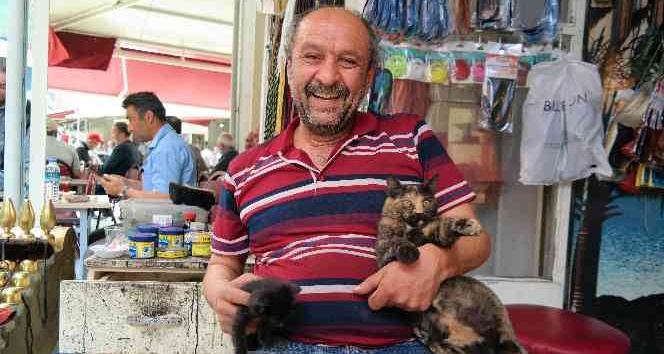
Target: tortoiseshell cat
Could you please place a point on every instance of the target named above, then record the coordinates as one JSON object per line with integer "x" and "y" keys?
{"x": 465, "y": 315}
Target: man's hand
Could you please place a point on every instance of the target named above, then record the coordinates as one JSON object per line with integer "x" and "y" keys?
{"x": 410, "y": 287}
{"x": 112, "y": 184}
{"x": 225, "y": 296}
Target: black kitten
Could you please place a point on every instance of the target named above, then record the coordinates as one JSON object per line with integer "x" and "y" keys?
{"x": 270, "y": 303}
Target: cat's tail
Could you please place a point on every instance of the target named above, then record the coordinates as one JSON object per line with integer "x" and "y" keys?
{"x": 239, "y": 330}
{"x": 507, "y": 341}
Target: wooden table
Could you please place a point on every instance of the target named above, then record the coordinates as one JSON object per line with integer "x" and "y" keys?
{"x": 181, "y": 269}
{"x": 84, "y": 208}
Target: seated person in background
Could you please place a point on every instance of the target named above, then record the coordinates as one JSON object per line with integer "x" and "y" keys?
{"x": 169, "y": 158}
{"x": 86, "y": 150}
{"x": 125, "y": 155}
{"x": 201, "y": 166}
{"x": 61, "y": 151}
{"x": 251, "y": 140}
{"x": 227, "y": 146}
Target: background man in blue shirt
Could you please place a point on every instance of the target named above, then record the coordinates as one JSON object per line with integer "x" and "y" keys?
{"x": 168, "y": 159}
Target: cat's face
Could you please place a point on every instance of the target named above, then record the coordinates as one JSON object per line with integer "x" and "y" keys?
{"x": 274, "y": 302}
{"x": 415, "y": 205}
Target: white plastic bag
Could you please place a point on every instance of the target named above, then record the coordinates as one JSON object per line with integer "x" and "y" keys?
{"x": 562, "y": 124}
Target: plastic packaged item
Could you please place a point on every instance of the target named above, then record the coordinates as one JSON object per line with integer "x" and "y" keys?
{"x": 492, "y": 14}
{"x": 438, "y": 67}
{"x": 562, "y": 130}
{"x": 136, "y": 211}
{"x": 498, "y": 89}
{"x": 142, "y": 245}
{"x": 395, "y": 60}
{"x": 162, "y": 219}
{"x": 171, "y": 237}
{"x": 463, "y": 54}
{"x": 417, "y": 67}
{"x": 536, "y": 19}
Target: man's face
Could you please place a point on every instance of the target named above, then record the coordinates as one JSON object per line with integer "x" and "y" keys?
{"x": 3, "y": 85}
{"x": 138, "y": 126}
{"x": 328, "y": 71}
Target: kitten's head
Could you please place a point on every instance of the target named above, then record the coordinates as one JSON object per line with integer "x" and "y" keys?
{"x": 414, "y": 204}
{"x": 273, "y": 301}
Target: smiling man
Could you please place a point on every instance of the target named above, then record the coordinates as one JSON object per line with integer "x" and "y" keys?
{"x": 307, "y": 202}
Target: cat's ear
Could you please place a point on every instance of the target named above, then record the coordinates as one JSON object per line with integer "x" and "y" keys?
{"x": 393, "y": 187}
{"x": 430, "y": 185}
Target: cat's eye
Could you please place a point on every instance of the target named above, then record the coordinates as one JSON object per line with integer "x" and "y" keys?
{"x": 426, "y": 202}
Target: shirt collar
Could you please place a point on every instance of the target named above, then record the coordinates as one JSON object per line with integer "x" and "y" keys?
{"x": 163, "y": 131}
{"x": 363, "y": 123}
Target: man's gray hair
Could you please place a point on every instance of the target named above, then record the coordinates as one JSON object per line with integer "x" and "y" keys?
{"x": 374, "y": 49}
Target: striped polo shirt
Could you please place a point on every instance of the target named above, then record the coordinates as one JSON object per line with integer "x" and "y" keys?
{"x": 317, "y": 227}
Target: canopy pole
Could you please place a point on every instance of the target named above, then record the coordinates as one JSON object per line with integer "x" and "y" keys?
{"x": 15, "y": 102}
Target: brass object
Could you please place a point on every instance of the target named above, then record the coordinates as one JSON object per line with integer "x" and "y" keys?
{"x": 7, "y": 218}
{"x": 21, "y": 279}
{"x": 8, "y": 265}
{"x": 26, "y": 219}
{"x": 47, "y": 220}
{"x": 11, "y": 295}
{"x": 4, "y": 277}
{"x": 29, "y": 265}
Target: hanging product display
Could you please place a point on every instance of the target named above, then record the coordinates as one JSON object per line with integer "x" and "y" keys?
{"x": 649, "y": 147}
{"x": 536, "y": 19}
{"x": 562, "y": 129}
{"x": 462, "y": 10}
{"x": 424, "y": 20}
{"x": 380, "y": 92}
{"x": 492, "y": 14}
{"x": 498, "y": 89}
{"x": 438, "y": 67}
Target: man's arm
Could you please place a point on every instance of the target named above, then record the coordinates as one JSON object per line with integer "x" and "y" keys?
{"x": 222, "y": 287}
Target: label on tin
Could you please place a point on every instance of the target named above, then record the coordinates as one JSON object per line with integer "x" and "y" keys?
{"x": 171, "y": 241}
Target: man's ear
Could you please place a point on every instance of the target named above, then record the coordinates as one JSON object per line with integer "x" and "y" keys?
{"x": 149, "y": 117}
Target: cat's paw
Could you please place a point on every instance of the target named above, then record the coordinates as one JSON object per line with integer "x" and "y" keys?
{"x": 407, "y": 253}
{"x": 466, "y": 227}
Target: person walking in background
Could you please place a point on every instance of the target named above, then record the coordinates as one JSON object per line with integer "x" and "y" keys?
{"x": 86, "y": 150}
{"x": 169, "y": 158}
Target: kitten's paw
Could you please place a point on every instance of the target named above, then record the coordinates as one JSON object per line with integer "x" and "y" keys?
{"x": 467, "y": 227}
{"x": 407, "y": 253}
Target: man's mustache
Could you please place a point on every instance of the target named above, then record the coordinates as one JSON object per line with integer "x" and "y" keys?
{"x": 336, "y": 90}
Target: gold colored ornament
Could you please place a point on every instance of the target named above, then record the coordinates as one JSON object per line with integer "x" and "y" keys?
{"x": 7, "y": 217}
{"x": 47, "y": 220}
{"x": 11, "y": 295}
{"x": 4, "y": 277}
{"x": 26, "y": 219}
{"x": 8, "y": 265}
{"x": 29, "y": 265}
{"x": 21, "y": 279}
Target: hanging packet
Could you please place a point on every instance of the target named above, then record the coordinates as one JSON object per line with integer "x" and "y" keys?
{"x": 463, "y": 54}
{"x": 416, "y": 68}
{"x": 562, "y": 132}
{"x": 537, "y": 20}
{"x": 395, "y": 59}
{"x": 438, "y": 66}
{"x": 649, "y": 147}
{"x": 492, "y": 14}
{"x": 498, "y": 89}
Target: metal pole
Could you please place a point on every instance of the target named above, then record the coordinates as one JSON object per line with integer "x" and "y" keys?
{"x": 39, "y": 45}
{"x": 15, "y": 101}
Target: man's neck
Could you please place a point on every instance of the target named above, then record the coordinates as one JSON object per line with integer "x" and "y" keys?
{"x": 319, "y": 148}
